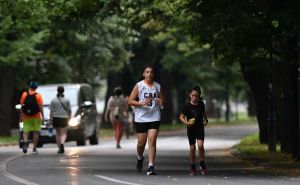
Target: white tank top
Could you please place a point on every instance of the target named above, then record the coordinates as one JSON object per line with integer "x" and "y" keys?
{"x": 150, "y": 112}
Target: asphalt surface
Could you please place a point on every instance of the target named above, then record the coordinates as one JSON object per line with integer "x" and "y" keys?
{"x": 104, "y": 164}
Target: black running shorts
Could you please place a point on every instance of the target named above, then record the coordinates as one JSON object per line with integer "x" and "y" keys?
{"x": 60, "y": 122}
{"x": 144, "y": 127}
{"x": 195, "y": 133}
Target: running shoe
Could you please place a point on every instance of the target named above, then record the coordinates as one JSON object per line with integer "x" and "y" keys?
{"x": 34, "y": 151}
{"x": 151, "y": 171}
{"x": 139, "y": 165}
{"x": 62, "y": 148}
{"x": 118, "y": 146}
{"x": 193, "y": 172}
{"x": 24, "y": 148}
{"x": 203, "y": 171}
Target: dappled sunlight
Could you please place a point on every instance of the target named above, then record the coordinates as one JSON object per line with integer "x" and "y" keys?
{"x": 73, "y": 170}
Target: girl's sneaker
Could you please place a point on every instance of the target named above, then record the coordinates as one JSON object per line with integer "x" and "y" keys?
{"x": 203, "y": 171}
{"x": 193, "y": 172}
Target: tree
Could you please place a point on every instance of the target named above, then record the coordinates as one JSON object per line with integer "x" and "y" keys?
{"x": 59, "y": 41}
{"x": 20, "y": 33}
{"x": 247, "y": 32}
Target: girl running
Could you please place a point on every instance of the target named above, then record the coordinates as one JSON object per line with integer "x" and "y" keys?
{"x": 194, "y": 117}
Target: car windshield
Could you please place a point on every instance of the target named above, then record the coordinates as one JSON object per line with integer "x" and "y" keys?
{"x": 48, "y": 93}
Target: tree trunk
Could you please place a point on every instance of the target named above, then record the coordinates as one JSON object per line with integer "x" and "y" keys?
{"x": 287, "y": 107}
{"x": 7, "y": 88}
{"x": 258, "y": 83}
{"x": 251, "y": 104}
{"x": 227, "y": 114}
{"x": 167, "y": 113}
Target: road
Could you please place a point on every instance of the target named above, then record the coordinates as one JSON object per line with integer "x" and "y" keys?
{"x": 105, "y": 165}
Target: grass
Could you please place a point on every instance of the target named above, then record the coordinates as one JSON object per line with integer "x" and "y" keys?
{"x": 105, "y": 132}
{"x": 251, "y": 151}
{"x": 242, "y": 118}
{"x": 8, "y": 139}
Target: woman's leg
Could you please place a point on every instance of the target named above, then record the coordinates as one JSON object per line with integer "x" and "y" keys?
{"x": 114, "y": 126}
{"x": 152, "y": 137}
{"x": 119, "y": 130}
{"x": 142, "y": 139}
{"x": 63, "y": 136}
{"x": 58, "y": 136}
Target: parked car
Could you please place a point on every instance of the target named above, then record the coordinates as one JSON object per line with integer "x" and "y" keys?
{"x": 83, "y": 123}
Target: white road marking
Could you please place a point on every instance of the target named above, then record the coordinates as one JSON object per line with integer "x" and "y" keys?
{"x": 11, "y": 176}
{"x": 116, "y": 180}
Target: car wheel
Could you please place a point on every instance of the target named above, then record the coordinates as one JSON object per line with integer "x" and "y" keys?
{"x": 81, "y": 139}
{"x": 39, "y": 144}
{"x": 94, "y": 138}
{"x": 80, "y": 142}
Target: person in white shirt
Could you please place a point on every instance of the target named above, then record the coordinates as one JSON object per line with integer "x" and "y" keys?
{"x": 147, "y": 99}
{"x": 60, "y": 113}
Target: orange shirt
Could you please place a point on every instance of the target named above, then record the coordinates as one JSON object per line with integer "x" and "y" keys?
{"x": 39, "y": 100}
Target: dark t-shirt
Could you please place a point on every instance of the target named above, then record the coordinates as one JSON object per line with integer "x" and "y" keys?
{"x": 194, "y": 111}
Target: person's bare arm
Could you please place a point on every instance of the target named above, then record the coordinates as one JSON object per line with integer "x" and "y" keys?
{"x": 107, "y": 111}
{"x": 42, "y": 112}
{"x": 132, "y": 98}
{"x": 205, "y": 118}
{"x": 161, "y": 99}
{"x": 183, "y": 120}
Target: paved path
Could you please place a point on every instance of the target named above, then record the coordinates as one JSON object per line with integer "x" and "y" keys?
{"x": 103, "y": 164}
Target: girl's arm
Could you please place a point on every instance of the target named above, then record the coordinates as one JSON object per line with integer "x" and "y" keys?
{"x": 183, "y": 120}
{"x": 205, "y": 118}
{"x": 132, "y": 98}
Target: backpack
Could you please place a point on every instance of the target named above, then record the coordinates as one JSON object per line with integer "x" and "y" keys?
{"x": 118, "y": 108}
{"x": 30, "y": 106}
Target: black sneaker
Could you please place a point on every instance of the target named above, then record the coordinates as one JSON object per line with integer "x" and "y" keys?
{"x": 151, "y": 171}
{"x": 62, "y": 148}
{"x": 24, "y": 148}
{"x": 34, "y": 151}
{"x": 203, "y": 171}
{"x": 139, "y": 165}
{"x": 192, "y": 172}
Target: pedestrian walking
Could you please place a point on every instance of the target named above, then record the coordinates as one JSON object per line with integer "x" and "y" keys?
{"x": 60, "y": 114}
{"x": 32, "y": 115}
{"x": 194, "y": 117}
{"x": 116, "y": 112}
{"x": 146, "y": 97}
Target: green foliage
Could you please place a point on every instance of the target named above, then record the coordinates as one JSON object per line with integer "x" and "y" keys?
{"x": 82, "y": 39}
{"x": 20, "y": 31}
